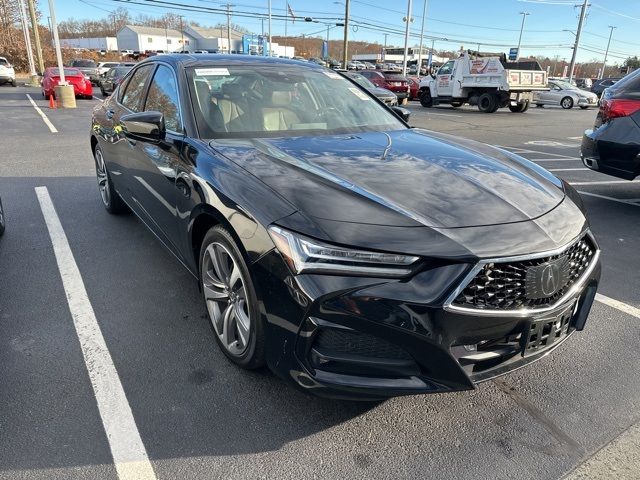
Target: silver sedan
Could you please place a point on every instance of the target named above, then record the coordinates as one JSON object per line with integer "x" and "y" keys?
{"x": 565, "y": 95}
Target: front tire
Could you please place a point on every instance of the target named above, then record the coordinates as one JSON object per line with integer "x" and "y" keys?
{"x": 231, "y": 300}
{"x": 426, "y": 100}
{"x": 111, "y": 199}
{"x": 566, "y": 103}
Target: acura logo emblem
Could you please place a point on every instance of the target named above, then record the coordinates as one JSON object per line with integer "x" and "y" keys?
{"x": 550, "y": 279}
{"x": 547, "y": 279}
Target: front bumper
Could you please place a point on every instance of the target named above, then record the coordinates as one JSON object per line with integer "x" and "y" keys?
{"x": 366, "y": 338}
{"x": 613, "y": 148}
{"x": 587, "y": 102}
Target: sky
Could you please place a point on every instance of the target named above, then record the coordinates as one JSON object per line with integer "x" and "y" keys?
{"x": 493, "y": 24}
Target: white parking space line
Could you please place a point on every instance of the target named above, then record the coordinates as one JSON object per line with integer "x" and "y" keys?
{"x": 519, "y": 150}
{"x": 444, "y": 114}
{"x": 607, "y": 182}
{"x": 604, "y": 197}
{"x": 567, "y": 169}
{"x": 41, "y": 113}
{"x": 128, "y": 451}
{"x": 574, "y": 138}
{"x": 623, "y": 307}
{"x": 568, "y": 159}
{"x": 99, "y": 99}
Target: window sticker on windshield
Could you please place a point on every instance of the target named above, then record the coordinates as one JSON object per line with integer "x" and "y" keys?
{"x": 211, "y": 71}
{"x": 359, "y": 93}
{"x": 333, "y": 75}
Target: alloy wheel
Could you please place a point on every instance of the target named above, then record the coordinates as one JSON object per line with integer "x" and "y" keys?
{"x": 226, "y": 298}
{"x": 103, "y": 179}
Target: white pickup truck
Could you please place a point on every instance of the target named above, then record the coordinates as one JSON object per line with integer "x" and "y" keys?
{"x": 490, "y": 82}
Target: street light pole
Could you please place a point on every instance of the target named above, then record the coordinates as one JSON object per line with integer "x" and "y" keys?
{"x": 583, "y": 12}
{"x": 345, "y": 46}
{"x": 524, "y": 16}
{"x": 406, "y": 38}
{"x": 606, "y": 53}
{"x": 424, "y": 13}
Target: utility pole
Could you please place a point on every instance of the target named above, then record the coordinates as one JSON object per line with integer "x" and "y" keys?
{"x": 27, "y": 42}
{"x": 228, "y": 5}
{"x": 385, "y": 39}
{"x": 583, "y": 12}
{"x": 181, "y": 33}
{"x": 64, "y": 91}
{"x": 408, "y": 19}
{"x": 345, "y": 46}
{"x": 604, "y": 64}
{"x": 524, "y": 17}
{"x": 269, "y": 27}
{"x": 424, "y": 13}
{"x": 36, "y": 36}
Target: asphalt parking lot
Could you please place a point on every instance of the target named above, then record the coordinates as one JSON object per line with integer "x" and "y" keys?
{"x": 200, "y": 417}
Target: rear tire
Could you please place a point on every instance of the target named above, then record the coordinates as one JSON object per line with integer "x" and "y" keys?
{"x": 111, "y": 199}
{"x": 104, "y": 94}
{"x": 231, "y": 300}
{"x": 487, "y": 103}
{"x": 13, "y": 83}
{"x": 426, "y": 100}
{"x": 566, "y": 103}
{"x": 519, "y": 108}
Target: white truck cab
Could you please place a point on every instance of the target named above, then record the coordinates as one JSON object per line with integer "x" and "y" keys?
{"x": 485, "y": 80}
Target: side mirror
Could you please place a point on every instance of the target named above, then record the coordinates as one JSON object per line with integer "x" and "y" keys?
{"x": 146, "y": 126}
{"x": 403, "y": 113}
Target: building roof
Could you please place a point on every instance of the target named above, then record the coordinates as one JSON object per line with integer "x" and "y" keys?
{"x": 215, "y": 32}
{"x": 153, "y": 31}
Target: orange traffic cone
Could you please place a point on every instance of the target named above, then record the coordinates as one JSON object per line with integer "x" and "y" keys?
{"x": 52, "y": 102}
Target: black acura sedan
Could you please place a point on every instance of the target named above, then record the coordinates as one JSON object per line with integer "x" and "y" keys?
{"x": 354, "y": 255}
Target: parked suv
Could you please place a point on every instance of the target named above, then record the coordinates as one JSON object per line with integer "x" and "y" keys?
{"x": 389, "y": 80}
{"x": 88, "y": 67}
{"x": 7, "y": 73}
{"x": 613, "y": 146}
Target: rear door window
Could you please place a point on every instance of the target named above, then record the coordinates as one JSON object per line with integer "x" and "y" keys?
{"x": 134, "y": 90}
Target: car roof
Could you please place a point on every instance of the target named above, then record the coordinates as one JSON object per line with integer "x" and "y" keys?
{"x": 212, "y": 59}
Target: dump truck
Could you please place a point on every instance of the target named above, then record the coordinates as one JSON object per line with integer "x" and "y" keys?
{"x": 486, "y": 80}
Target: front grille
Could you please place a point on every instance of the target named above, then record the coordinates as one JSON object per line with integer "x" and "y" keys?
{"x": 512, "y": 285}
{"x": 338, "y": 341}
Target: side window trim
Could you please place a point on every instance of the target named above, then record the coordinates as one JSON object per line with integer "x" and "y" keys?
{"x": 175, "y": 79}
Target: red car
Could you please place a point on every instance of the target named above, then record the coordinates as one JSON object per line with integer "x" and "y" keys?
{"x": 81, "y": 84}
{"x": 390, "y": 80}
{"x": 414, "y": 86}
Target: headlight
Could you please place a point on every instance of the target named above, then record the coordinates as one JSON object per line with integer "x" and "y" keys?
{"x": 304, "y": 254}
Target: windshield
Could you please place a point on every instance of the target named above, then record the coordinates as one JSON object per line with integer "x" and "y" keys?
{"x": 282, "y": 100}
{"x": 565, "y": 85}
{"x": 121, "y": 71}
{"x": 83, "y": 63}
{"x": 362, "y": 81}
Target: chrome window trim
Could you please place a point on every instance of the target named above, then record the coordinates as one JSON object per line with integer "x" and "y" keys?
{"x": 523, "y": 312}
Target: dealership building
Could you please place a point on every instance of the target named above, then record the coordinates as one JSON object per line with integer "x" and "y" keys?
{"x": 396, "y": 55}
{"x": 215, "y": 40}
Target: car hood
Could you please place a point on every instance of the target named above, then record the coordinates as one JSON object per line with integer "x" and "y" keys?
{"x": 408, "y": 178}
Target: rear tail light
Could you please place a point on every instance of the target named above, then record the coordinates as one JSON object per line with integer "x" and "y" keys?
{"x": 618, "y": 107}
